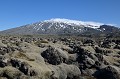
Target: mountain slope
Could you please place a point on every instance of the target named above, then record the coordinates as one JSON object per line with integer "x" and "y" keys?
{"x": 60, "y": 26}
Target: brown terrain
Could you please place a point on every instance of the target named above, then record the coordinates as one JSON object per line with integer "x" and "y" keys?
{"x": 59, "y": 57}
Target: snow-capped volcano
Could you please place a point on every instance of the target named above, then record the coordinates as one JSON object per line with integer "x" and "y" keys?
{"x": 59, "y": 26}
{"x": 75, "y": 22}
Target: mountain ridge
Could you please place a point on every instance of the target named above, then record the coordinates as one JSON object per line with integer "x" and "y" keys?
{"x": 59, "y": 26}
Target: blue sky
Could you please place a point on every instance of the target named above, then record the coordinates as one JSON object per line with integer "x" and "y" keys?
{"x": 14, "y": 13}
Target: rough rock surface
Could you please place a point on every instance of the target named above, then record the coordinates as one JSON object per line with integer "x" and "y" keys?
{"x": 53, "y": 57}
{"x": 109, "y": 72}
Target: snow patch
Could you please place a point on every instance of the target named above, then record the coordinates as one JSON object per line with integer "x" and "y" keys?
{"x": 103, "y": 28}
{"x": 94, "y": 25}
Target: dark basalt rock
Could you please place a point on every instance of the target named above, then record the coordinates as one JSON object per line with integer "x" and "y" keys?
{"x": 104, "y": 51}
{"x": 23, "y": 67}
{"x": 89, "y": 42}
{"x": 109, "y": 72}
{"x": 53, "y": 56}
{"x": 5, "y": 50}
{"x": 3, "y": 61}
{"x": 117, "y": 47}
{"x": 89, "y": 60}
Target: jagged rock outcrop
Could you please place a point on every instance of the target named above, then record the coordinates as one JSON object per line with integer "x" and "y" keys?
{"x": 54, "y": 56}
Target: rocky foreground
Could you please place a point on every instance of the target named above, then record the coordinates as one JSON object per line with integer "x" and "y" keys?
{"x": 28, "y": 57}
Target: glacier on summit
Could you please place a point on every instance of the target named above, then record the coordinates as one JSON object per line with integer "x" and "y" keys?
{"x": 75, "y": 22}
